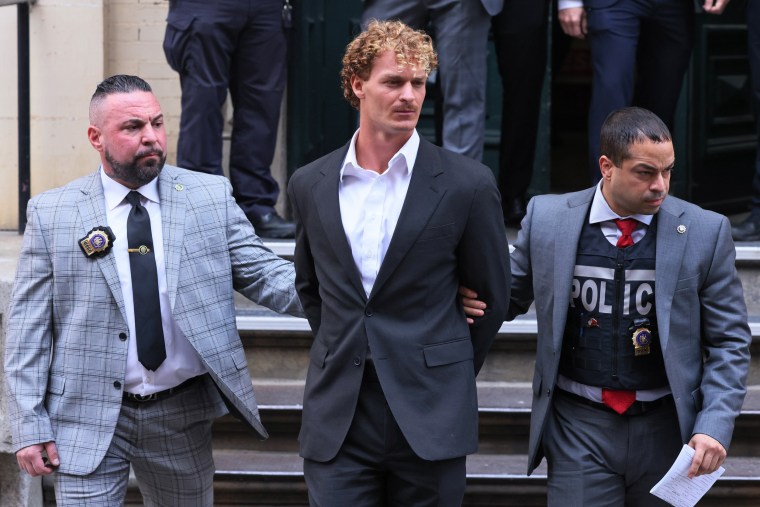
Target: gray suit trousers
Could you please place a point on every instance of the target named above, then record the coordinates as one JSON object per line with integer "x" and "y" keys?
{"x": 602, "y": 459}
{"x": 168, "y": 444}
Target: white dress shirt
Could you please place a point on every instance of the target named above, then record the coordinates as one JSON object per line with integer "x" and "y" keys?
{"x": 182, "y": 361}
{"x": 370, "y": 204}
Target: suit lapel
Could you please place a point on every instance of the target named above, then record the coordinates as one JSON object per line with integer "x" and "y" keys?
{"x": 672, "y": 231}
{"x": 92, "y": 212}
{"x": 421, "y": 200}
{"x": 325, "y": 194}
{"x": 567, "y": 232}
{"x": 173, "y": 195}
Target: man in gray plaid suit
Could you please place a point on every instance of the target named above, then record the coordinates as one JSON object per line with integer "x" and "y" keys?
{"x": 81, "y": 401}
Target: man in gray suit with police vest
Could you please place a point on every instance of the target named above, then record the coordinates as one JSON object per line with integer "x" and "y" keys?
{"x": 387, "y": 227}
{"x": 122, "y": 344}
{"x": 643, "y": 342}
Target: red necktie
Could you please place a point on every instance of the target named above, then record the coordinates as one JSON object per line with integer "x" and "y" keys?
{"x": 626, "y": 226}
{"x": 619, "y": 401}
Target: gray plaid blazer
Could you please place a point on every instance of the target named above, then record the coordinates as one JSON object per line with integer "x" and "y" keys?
{"x": 64, "y": 360}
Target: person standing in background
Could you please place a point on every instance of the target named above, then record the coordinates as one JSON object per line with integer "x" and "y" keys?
{"x": 239, "y": 46}
{"x": 521, "y": 41}
{"x": 640, "y": 50}
{"x": 749, "y": 229}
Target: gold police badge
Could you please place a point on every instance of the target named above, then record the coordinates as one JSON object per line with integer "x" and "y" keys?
{"x": 97, "y": 242}
{"x": 642, "y": 339}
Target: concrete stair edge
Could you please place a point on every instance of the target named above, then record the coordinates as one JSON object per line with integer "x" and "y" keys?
{"x": 493, "y": 396}
{"x": 288, "y": 324}
{"x": 746, "y": 252}
{"x": 481, "y": 466}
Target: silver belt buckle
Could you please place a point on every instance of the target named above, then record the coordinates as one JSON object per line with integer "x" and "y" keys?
{"x": 147, "y": 397}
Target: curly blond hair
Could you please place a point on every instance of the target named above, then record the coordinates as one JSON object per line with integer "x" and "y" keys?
{"x": 412, "y": 47}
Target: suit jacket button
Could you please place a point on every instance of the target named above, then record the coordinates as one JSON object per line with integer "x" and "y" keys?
{"x": 117, "y": 384}
{"x": 122, "y": 336}
{"x": 548, "y": 392}
{"x": 357, "y": 361}
{"x": 368, "y": 312}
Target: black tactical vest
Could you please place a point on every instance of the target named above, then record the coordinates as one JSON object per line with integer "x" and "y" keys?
{"x": 611, "y": 337}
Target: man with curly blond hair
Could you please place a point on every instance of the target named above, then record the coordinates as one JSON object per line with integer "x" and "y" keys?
{"x": 387, "y": 228}
{"x": 461, "y": 30}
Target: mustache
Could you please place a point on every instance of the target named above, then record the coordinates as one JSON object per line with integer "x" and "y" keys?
{"x": 147, "y": 153}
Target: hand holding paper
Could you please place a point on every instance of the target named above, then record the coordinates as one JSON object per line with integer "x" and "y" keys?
{"x": 677, "y": 488}
{"x": 709, "y": 454}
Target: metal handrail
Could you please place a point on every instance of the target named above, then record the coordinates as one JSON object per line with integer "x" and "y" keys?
{"x": 24, "y": 121}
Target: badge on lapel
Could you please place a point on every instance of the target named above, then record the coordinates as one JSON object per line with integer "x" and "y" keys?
{"x": 97, "y": 242}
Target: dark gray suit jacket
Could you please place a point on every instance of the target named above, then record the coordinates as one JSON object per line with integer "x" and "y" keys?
{"x": 450, "y": 231}
{"x": 701, "y": 313}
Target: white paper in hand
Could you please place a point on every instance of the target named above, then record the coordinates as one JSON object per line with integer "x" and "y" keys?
{"x": 677, "y": 489}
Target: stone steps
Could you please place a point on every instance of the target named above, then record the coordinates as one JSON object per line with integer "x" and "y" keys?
{"x": 504, "y": 409}
{"x": 492, "y": 480}
{"x": 269, "y": 473}
{"x": 269, "y": 479}
{"x": 277, "y": 347}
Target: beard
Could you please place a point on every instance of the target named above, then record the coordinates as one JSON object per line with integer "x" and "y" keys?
{"x": 137, "y": 172}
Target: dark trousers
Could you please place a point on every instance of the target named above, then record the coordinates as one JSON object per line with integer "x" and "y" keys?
{"x": 598, "y": 458}
{"x": 640, "y": 51}
{"x": 377, "y": 467}
{"x": 238, "y": 46}
{"x": 520, "y": 38}
{"x": 753, "y": 39}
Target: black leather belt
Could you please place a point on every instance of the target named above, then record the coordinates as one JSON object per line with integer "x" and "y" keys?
{"x": 160, "y": 395}
{"x": 638, "y": 407}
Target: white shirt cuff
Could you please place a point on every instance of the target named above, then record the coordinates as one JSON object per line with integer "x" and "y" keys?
{"x": 568, "y": 4}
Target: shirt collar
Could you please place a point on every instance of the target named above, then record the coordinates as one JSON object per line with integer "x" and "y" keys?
{"x": 407, "y": 153}
{"x": 115, "y": 192}
{"x": 601, "y": 211}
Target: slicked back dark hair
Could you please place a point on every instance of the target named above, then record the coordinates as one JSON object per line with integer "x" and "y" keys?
{"x": 120, "y": 83}
{"x": 627, "y": 126}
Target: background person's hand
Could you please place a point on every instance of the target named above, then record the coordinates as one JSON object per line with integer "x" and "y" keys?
{"x": 573, "y": 21}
